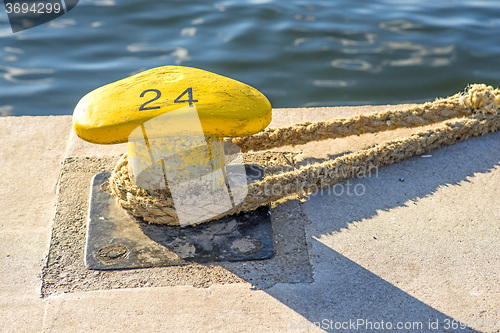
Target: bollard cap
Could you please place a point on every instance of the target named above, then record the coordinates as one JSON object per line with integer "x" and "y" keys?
{"x": 226, "y": 107}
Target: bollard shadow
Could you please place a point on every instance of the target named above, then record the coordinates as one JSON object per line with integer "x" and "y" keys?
{"x": 342, "y": 290}
{"x": 345, "y": 297}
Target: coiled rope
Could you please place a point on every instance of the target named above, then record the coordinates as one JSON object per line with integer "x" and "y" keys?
{"x": 476, "y": 111}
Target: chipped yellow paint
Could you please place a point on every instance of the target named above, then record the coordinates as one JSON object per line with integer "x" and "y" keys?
{"x": 226, "y": 107}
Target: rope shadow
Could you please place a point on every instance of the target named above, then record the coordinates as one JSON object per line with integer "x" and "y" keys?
{"x": 392, "y": 186}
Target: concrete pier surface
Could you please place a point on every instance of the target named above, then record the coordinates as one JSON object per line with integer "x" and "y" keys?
{"x": 412, "y": 247}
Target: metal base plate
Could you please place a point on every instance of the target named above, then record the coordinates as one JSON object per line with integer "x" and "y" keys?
{"x": 115, "y": 240}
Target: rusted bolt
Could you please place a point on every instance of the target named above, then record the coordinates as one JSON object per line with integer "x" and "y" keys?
{"x": 112, "y": 253}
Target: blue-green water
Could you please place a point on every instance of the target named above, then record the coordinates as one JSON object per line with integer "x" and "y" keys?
{"x": 298, "y": 53}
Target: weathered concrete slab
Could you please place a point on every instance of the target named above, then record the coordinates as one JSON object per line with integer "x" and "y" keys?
{"x": 30, "y": 160}
{"x": 228, "y": 308}
{"x": 21, "y": 314}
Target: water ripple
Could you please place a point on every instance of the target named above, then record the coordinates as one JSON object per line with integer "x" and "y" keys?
{"x": 146, "y": 50}
{"x": 25, "y": 75}
{"x": 62, "y": 23}
{"x": 330, "y": 83}
{"x": 13, "y": 50}
{"x": 410, "y": 54}
{"x": 188, "y": 32}
{"x": 297, "y": 52}
{"x": 352, "y": 64}
{"x": 101, "y": 3}
{"x": 400, "y": 26}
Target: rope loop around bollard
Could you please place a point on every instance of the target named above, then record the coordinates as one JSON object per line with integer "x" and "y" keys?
{"x": 474, "y": 112}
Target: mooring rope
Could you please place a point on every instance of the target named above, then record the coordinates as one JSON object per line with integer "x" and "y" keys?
{"x": 471, "y": 113}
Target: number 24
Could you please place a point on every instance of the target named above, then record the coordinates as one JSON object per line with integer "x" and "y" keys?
{"x": 188, "y": 91}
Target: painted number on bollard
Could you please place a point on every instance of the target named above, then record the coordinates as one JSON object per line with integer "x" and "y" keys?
{"x": 226, "y": 107}
{"x": 143, "y": 106}
{"x": 188, "y": 91}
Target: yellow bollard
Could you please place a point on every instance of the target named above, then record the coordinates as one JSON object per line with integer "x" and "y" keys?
{"x": 226, "y": 107}
{"x": 174, "y": 119}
